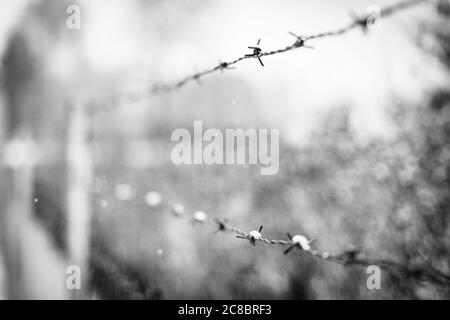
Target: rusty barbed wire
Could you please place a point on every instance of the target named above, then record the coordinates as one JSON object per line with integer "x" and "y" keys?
{"x": 363, "y": 22}
{"x": 350, "y": 257}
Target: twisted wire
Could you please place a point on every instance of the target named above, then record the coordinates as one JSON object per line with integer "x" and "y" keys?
{"x": 349, "y": 257}
{"x": 363, "y": 22}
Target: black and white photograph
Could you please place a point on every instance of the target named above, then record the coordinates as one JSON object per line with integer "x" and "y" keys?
{"x": 243, "y": 151}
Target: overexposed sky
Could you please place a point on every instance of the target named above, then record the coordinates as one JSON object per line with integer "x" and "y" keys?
{"x": 173, "y": 39}
{"x": 137, "y": 43}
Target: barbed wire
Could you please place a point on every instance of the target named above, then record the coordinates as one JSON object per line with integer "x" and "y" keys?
{"x": 363, "y": 22}
{"x": 350, "y": 257}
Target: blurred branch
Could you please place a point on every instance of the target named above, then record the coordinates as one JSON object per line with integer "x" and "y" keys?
{"x": 364, "y": 22}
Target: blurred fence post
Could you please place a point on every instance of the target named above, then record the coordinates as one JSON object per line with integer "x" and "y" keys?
{"x": 17, "y": 180}
{"x": 3, "y": 293}
{"x": 79, "y": 184}
{"x": 34, "y": 269}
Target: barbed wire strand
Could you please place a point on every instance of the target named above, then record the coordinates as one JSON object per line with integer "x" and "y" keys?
{"x": 363, "y": 22}
{"x": 350, "y": 257}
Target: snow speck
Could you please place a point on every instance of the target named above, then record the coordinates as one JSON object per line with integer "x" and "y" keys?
{"x": 123, "y": 192}
{"x": 153, "y": 198}
{"x": 178, "y": 209}
{"x": 200, "y": 216}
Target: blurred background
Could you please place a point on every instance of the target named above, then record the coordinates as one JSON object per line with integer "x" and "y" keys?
{"x": 364, "y": 125}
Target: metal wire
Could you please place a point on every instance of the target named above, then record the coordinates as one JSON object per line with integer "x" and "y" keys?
{"x": 347, "y": 258}
{"x": 363, "y": 22}
{"x": 351, "y": 257}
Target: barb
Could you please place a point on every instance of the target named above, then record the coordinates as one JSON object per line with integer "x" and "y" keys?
{"x": 256, "y": 52}
{"x": 363, "y": 22}
{"x": 350, "y": 257}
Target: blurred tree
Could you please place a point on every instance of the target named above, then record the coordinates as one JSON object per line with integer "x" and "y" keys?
{"x": 422, "y": 211}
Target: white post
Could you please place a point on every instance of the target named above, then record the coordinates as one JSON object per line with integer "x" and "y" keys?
{"x": 34, "y": 268}
{"x": 79, "y": 182}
